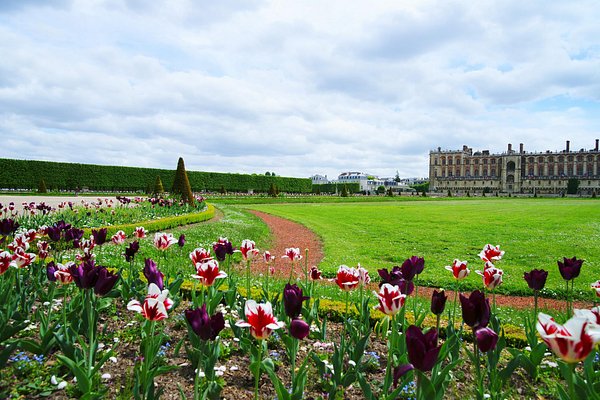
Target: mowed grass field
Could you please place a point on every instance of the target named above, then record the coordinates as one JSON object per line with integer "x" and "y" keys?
{"x": 535, "y": 233}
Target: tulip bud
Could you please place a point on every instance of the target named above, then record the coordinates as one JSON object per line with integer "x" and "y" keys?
{"x": 299, "y": 329}
{"x": 438, "y": 302}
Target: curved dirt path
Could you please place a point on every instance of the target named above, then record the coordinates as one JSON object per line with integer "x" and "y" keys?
{"x": 287, "y": 233}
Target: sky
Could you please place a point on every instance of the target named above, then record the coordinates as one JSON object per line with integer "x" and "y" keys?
{"x": 294, "y": 87}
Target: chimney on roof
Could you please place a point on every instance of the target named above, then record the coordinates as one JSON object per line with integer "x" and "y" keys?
{"x": 521, "y": 148}
{"x": 509, "y": 147}
{"x": 596, "y": 145}
{"x": 568, "y": 145}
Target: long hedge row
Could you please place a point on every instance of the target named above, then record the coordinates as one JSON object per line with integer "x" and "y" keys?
{"x": 27, "y": 174}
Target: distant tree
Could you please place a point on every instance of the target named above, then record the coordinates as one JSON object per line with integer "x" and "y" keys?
{"x": 397, "y": 178}
{"x": 273, "y": 174}
{"x": 381, "y": 190}
{"x": 158, "y": 186}
{"x": 424, "y": 194}
{"x": 572, "y": 186}
{"x": 344, "y": 191}
{"x": 273, "y": 190}
{"x": 468, "y": 194}
{"x": 149, "y": 188}
{"x": 317, "y": 189}
{"x": 42, "y": 186}
{"x": 222, "y": 190}
{"x": 390, "y": 193}
{"x": 449, "y": 193}
{"x": 594, "y": 194}
{"x": 181, "y": 183}
{"x": 267, "y": 173}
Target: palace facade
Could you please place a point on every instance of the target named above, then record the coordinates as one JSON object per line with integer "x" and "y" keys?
{"x": 461, "y": 171}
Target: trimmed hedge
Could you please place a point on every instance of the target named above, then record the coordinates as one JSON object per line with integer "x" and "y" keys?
{"x": 26, "y": 174}
{"x": 159, "y": 224}
{"x": 330, "y": 187}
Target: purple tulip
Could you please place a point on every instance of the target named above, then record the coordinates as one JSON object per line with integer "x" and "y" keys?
{"x": 438, "y": 302}
{"x": 50, "y": 270}
{"x": 131, "y": 250}
{"x": 475, "y": 310}
{"x": 400, "y": 371}
{"x": 106, "y": 281}
{"x": 207, "y": 328}
{"x": 8, "y": 226}
{"x": 54, "y": 233}
{"x": 486, "y": 339}
{"x": 406, "y": 287}
{"x": 536, "y": 278}
{"x": 181, "y": 240}
{"x": 299, "y": 329}
{"x": 411, "y": 267}
{"x": 72, "y": 234}
{"x": 292, "y": 300}
{"x": 99, "y": 236}
{"x": 570, "y": 268}
{"x": 85, "y": 275}
{"x": 152, "y": 274}
{"x": 393, "y": 277}
{"x": 62, "y": 225}
{"x": 222, "y": 248}
{"x": 422, "y": 348}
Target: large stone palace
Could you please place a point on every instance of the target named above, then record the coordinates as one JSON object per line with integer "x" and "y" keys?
{"x": 461, "y": 171}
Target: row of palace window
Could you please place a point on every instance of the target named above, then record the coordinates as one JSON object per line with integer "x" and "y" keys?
{"x": 548, "y": 159}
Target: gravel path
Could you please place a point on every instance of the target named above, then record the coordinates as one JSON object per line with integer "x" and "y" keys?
{"x": 291, "y": 234}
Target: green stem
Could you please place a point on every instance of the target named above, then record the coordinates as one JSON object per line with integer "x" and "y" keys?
{"x": 257, "y": 374}
{"x": 535, "y": 304}
{"x": 248, "y": 279}
{"x": 306, "y": 268}
{"x": 568, "y": 301}
{"x": 91, "y": 333}
{"x": 478, "y": 369}
{"x": 454, "y": 307}
{"x": 197, "y": 379}
{"x": 291, "y": 272}
{"x": 294, "y": 352}
{"x": 572, "y": 382}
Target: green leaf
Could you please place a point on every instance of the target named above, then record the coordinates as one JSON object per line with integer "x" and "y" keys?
{"x": 366, "y": 388}
{"x": 427, "y": 391}
{"x": 282, "y": 392}
{"x": 84, "y": 382}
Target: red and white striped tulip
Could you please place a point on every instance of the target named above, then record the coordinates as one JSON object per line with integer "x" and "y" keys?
{"x": 596, "y": 287}
{"x": 391, "y": 299}
{"x": 162, "y": 241}
{"x": 491, "y": 253}
{"x": 200, "y": 255}
{"x": 43, "y": 249}
{"x": 459, "y": 269}
{"x": 63, "y": 273}
{"x": 21, "y": 259}
{"x": 5, "y": 261}
{"x": 248, "y": 249}
{"x": 347, "y": 278}
{"x": 363, "y": 276}
{"x": 140, "y": 232}
{"x": 492, "y": 276}
{"x": 118, "y": 238}
{"x": 19, "y": 242}
{"x": 573, "y": 341}
{"x": 293, "y": 253}
{"x": 155, "y": 306}
{"x": 260, "y": 319}
{"x": 208, "y": 271}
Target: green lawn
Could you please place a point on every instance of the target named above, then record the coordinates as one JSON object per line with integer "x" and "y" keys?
{"x": 535, "y": 233}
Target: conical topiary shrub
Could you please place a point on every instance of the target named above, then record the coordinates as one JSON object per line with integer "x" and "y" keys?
{"x": 158, "y": 186}
{"x": 181, "y": 184}
{"x": 42, "y": 187}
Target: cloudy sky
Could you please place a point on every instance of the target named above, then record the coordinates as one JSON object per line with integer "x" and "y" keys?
{"x": 294, "y": 87}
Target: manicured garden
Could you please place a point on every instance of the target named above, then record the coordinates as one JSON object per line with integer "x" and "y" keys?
{"x": 148, "y": 313}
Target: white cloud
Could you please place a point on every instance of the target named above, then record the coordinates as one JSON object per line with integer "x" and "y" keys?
{"x": 294, "y": 87}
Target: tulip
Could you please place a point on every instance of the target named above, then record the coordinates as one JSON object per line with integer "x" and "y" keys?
{"x": 200, "y": 255}
{"x": 459, "y": 269}
{"x": 8, "y": 226}
{"x": 181, "y": 240}
{"x": 411, "y": 267}
{"x": 43, "y": 249}
{"x": 155, "y": 306}
{"x": 536, "y": 278}
{"x": 131, "y": 250}
{"x": 208, "y": 271}
{"x": 5, "y": 261}
{"x": 62, "y": 273}
{"x": 400, "y": 371}
{"x": 50, "y": 269}
{"x": 292, "y": 300}
{"x": 54, "y": 233}
{"x": 267, "y": 257}
{"x": 393, "y": 277}
{"x": 438, "y": 302}
{"x": 248, "y": 249}
{"x": 119, "y": 238}
{"x": 596, "y": 287}
{"x": 491, "y": 253}
{"x": 105, "y": 283}
{"x": 21, "y": 259}
{"x": 592, "y": 315}
{"x": 573, "y": 341}
{"x": 20, "y": 242}
{"x": 260, "y": 319}
{"x": 486, "y": 339}
{"x": 299, "y": 329}
{"x": 293, "y": 254}
{"x": 152, "y": 274}
{"x": 99, "y": 236}
{"x": 570, "y": 268}
{"x": 207, "y": 328}
{"x": 221, "y": 248}
{"x": 162, "y": 241}
{"x": 492, "y": 277}
{"x": 31, "y": 235}
{"x": 85, "y": 274}
{"x": 363, "y": 276}
{"x": 315, "y": 274}
{"x": 347, "y": 278}
{"x": 475, "y": 310}
{"x": 422, "y": 348}
{"x": 73, "y": 234}
{"x": 140, "y": 232}
{"x": 391, "y": 299}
